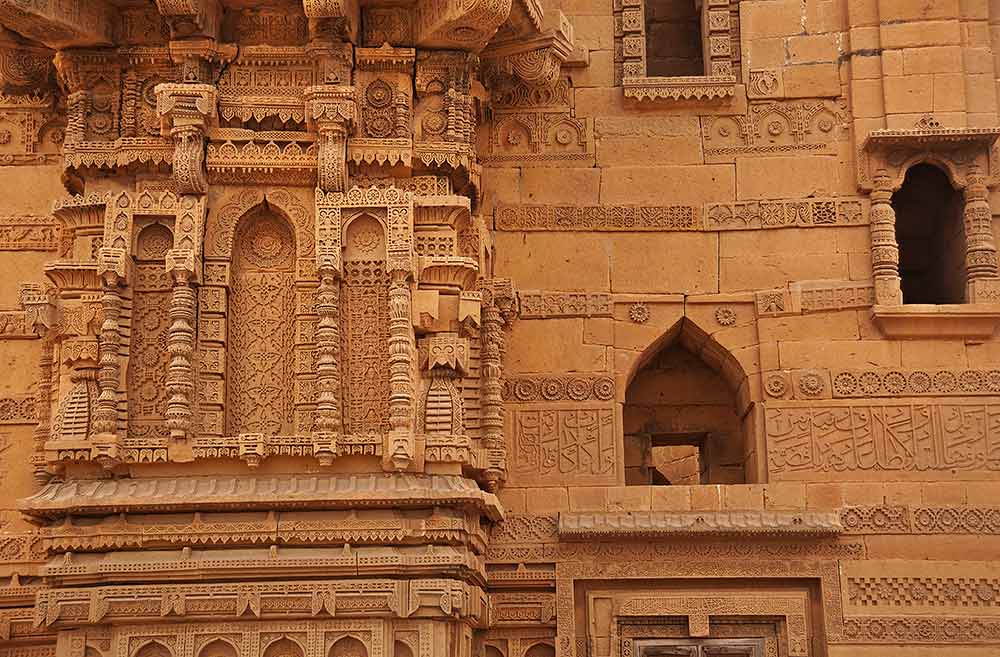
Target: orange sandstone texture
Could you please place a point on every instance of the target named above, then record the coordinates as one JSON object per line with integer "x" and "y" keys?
{"x": 499, "y": 329}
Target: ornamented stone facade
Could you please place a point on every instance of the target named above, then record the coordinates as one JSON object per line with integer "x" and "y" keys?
{"x": 499, "y": 328}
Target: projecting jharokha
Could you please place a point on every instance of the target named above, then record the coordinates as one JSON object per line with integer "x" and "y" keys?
{"x": 499, "y": 328}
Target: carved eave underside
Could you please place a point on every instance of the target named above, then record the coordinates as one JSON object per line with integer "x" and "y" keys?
{"x": 588, "y": 526}
{"x": 931, "y": 137}
{"x": 531, "y": 46}
{"x": 248, "y": 493}
{"x": 61, "y": 25}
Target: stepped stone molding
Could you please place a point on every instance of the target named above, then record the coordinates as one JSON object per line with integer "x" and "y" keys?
{"x": 589, "y": 526}
{"x": 262, "y": 492}
{"x": 570, "y": 635}
{"x": 699, "y": 607}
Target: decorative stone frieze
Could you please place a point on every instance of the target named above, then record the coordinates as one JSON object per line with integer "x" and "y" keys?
{"x": 604, "y": 526}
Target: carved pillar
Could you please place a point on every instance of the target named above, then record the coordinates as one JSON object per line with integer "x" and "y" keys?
{"x": 401, "y": 349}
{"x": 182, "y": 263}
{"x": 111, "y": 269}
{"x": 331, "y": 112}
{"x": 43, "y": 409}
{"x": 492, "y": 413}
{"x": 497, "y": 313}
{"x": 180, "y": 344}
{"x": 980, "y": 245}
{"x": 40, "y": 313}
{"x": 184, "y": 111}
{"x": 885, "y": 250}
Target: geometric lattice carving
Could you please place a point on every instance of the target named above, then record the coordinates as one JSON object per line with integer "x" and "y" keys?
{"x": 262, "y": 337}
{"x": 365, "y": 346}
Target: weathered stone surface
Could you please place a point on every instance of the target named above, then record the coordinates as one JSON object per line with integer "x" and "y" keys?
{"x": 499, "y": 328}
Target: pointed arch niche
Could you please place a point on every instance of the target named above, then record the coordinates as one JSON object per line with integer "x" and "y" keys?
{"x": 365, "y": 322}
{"x": 261, "y": 366}
{"x": 685, "y": 420}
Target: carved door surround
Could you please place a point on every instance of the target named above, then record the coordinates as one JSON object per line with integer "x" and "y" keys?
{"x": 966, "y": 155}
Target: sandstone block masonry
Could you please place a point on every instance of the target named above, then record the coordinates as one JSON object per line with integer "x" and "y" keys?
{"x": 499, "y": 328}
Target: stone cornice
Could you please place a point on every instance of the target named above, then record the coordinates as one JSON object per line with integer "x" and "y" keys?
{"x": 169, "y": 494}
{"x": 581, "y": 526}
{"x": 931, "y": 137}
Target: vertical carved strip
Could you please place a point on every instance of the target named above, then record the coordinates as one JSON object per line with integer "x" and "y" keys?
{"x": 328, "y": 353}
{"x": 885, "y": 249}
{"x": 105, "y": 423}
{"x": 180, "y": 343}
{"x": 401, "y": 349}
{"x": 43, "y": 409}
{"x": 329, "y": 417}
{"x": 492, "y": 409}
{"x": 980, "y": 245}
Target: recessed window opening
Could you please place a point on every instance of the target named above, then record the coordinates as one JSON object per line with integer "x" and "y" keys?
{"x": 681, "y": 423}
{"x": 674, "y": 45}
{"x": 931, "y": 237}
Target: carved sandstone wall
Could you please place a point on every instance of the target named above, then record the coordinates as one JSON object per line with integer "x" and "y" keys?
{"x": 499, "y": 328}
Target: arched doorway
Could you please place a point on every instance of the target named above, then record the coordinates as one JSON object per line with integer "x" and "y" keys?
{"x": 684, "y": 423}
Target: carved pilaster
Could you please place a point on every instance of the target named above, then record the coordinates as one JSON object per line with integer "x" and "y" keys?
{"x": 980, "y": 245}
{"x": 40, "y": 316}
{"x": 401, "y": 350}
{"x": 111, "y": 268}
{"x": 497, "y": 313}
{"x": 180, "y": 343}
{"x": 332, "y": 112}
{"x": 328, "y": 417}
{"x": 185, "y": 110}
{"x": 885, "y": 250}
{"x": 43, "y": 409}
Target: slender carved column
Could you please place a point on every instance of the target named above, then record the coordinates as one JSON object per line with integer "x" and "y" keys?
{"x": 331, "y": 112}
{"x": 40, "y": 316}
{"x": 492, "y": 406}
{"x": 401, "y": 349}
{"x": 184, "y": 111}
{"x": 43, "y": 408}
{"x": 328, "y": 353}
{"x": 885, "y": 250}
{"x": 180, "y": 344}
{"x": 980, "y": 245}
{"x": 182, "y": 265}
{"x": 111, "y": 268}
